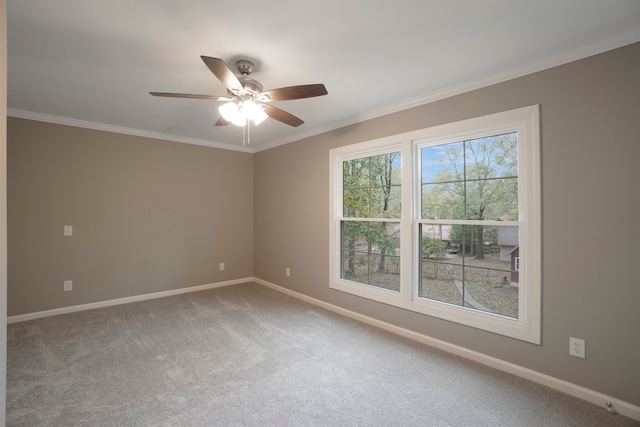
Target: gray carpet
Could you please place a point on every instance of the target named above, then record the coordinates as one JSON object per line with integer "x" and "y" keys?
{"x": 246, "y": 355}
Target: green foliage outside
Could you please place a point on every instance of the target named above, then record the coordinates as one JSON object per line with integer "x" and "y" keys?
{"x": 433, "y": 248}
{"x": 371, "y": 189}
{"x": 476, "y": 180}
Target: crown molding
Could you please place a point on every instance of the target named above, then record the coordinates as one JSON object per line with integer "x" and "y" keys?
{"x": 21, "y": 114}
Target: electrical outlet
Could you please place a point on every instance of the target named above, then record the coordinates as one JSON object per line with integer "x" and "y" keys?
{"x": 287, "y": 272}
{"x": 222, "y": 266}
{"x": 68, "y": 285}
{"x": 577, "y": 347}
{"x": 68, "y": 230}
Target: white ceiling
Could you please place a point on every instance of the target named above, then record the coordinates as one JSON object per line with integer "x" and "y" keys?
{"x": 91, "y": 63}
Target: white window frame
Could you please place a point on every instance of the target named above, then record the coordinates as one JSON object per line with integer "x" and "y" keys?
{"x": 524, "y": 121}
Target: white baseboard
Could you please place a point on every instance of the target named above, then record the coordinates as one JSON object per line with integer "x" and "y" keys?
{"x": 126, "y": 300}
{"x": 600, "y": 399}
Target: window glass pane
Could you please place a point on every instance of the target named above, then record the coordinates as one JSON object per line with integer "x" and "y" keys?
{"x": 384, "y": 237}
{"x": 355, "y": 266}
{"x": 355, "y": 203}
{"x": 356, "y": 173}
{"x": 386, "y": 202}
{"x": 385, "y": 169}
{"x": 371, "y": 187}
{"x": 443, "y": 163}
{"x": 435, "y": 241}
{"x": 354, "y": 235}
{"x": 443, "y": 201}
{"x": 493, "y": 199}
{"x": 489, "y": 273}
{"x": 489, "y": 289}
{"x": 438, "y": 282}
{"x": 371, "y": 253}
{"x": 470, "y": 263}
{"x": 389, "y": 276}
{"x": 355, "y": 251}
{"x": 491, "y": 157}
{"x": 508, "y": 241}
{"x": 440, "y": 268}
{"x": 475, "y": 179}
{"x": 482, "y": 242}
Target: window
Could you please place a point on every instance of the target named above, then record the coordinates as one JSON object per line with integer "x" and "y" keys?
{"x": 444, "y": 221}
{"x": 371, "y": 204}
{"x": 469, "y": 196}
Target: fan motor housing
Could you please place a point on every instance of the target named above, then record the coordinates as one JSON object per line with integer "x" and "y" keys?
{"x": 251, "y": 87}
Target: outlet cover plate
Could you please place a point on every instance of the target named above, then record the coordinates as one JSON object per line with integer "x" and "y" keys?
{"x": 577, "y": 347}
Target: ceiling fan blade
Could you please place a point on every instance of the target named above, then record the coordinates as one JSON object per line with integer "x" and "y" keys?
{"x": 282, "y": 116}
{"x": 294, "y": 92}
{"x": 222, "y": 121}
{"x": 223, "y": 73}
{"x": 188, "y": 95}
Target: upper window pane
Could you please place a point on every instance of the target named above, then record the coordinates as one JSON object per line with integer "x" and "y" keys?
{"x": 491, "y": 157}
{"x": 473, "y": 180}
{"x": 443, "y": 163}
{"x": 442, "y": 201}
{"x": 371, "y": 187}
{"x": 492, "y": 199}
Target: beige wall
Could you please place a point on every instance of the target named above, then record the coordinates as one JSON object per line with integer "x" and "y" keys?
{"x": 147, "y": 215}
{"x": 590, "y": 114}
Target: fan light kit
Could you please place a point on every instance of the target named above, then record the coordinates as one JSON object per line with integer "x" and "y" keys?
{"x": 239, "y": 112}
{"x": 246, "y": 101}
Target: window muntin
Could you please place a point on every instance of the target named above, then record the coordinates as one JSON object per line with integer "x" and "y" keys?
{"x": 431, "y": 205}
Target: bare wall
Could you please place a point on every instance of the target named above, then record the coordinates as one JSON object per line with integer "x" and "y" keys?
{"x": 590, "y": 114}
{"x": 147, "y": 215}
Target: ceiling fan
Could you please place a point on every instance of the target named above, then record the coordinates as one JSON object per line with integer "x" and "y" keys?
{"x": 246, "y": 101}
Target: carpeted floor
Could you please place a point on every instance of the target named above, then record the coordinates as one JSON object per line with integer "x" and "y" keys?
{"x": 246, "y": 355}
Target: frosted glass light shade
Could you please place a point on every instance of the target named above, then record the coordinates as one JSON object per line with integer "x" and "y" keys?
{"x": 231, "y": 112}
{"x": 239, "y": 113}
{"x": 254, "y": 112}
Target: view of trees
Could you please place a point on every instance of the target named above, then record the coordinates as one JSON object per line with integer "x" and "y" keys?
{"x": 471, "y": 180}
{"x": 371, "y": 189}
{"x": 474, "y": 180}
